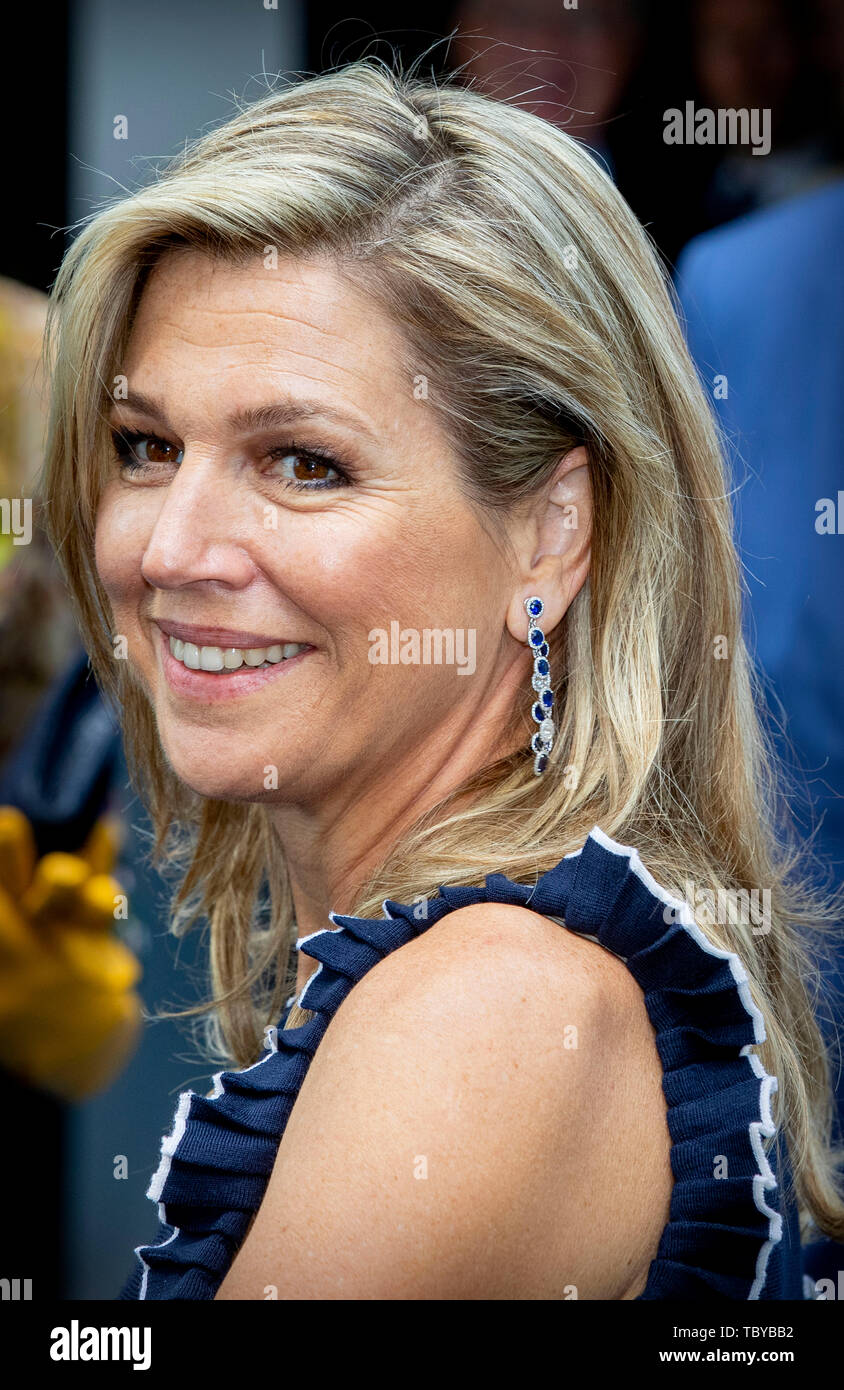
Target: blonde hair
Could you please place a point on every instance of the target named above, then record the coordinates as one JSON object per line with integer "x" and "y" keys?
{"x": 532, "y": 301}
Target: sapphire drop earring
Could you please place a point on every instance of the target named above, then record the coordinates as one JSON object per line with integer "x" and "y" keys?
{"x": 543, "y": 740}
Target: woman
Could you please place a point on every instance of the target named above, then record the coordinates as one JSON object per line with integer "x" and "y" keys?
{"x": 397, "y": 527}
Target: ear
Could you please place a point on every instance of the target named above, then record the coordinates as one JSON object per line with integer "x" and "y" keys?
{"x": 553, "y": 544}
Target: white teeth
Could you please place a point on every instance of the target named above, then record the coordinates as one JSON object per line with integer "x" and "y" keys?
{"x": 231, "y": 658}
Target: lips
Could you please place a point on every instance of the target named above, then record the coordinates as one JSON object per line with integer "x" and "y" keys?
{"x": 222, "y": 636}
{"x": 213, "y": 687}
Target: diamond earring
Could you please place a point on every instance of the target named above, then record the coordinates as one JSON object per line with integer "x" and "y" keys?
{"x": 543, "y": 740}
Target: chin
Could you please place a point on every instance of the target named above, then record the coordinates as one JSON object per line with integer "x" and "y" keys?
{"x": 214, "y": 787}
{"x": 212, "y": 772}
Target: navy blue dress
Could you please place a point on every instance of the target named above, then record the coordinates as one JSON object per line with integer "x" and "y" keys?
{"x": 732, "y": 1231}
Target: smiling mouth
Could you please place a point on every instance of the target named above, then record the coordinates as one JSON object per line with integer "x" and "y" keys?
{"x": 209, "y": 673}
{"x": 223, "y": 660}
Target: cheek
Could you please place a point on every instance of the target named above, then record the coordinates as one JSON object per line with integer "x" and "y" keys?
{"x": 358, "y": 574}
{"x": 119, "y": 544}
{"x": 348, "y": 562}
{"x": 357, "y": 571}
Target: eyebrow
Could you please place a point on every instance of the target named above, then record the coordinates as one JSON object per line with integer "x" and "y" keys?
{"x": 275, "y": 415}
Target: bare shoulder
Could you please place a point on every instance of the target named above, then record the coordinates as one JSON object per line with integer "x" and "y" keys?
{"x": 512, "y": 965}
{"x": 556, "y": 1027}
{"x": 483, "y": 1118}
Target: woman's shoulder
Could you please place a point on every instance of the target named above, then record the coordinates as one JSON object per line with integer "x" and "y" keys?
{"x": 491, "y": 1076}
{"x": 498, "y": 957}
{"x": 544, "y": 1037}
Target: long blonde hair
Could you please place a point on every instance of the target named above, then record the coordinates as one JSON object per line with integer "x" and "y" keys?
{"x": 534, "y": 306}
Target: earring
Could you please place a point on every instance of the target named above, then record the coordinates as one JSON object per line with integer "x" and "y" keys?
{"x": 543, "y": 740}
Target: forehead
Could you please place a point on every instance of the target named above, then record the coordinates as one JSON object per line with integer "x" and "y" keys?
{"x": 297, "y": 319}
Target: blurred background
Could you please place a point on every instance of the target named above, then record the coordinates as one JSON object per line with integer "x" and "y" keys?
{"x": 753, "y": 243}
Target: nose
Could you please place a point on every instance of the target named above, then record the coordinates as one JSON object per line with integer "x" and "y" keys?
{"x": 201, "y": 531}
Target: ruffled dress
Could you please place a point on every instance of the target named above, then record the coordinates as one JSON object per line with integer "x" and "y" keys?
{"x": 732, "y": 1231}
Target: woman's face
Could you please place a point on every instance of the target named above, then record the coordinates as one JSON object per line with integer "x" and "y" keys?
{"x": 221, "y": 530}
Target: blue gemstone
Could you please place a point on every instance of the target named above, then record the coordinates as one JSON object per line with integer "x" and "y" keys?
{"x": 543, "y": 650}
{"x": 535, "y": 606}
{"x": 542, "y": 667}
{"x": 536, "y": 743}
{"x": 541, "y": 762}
{"x": 538, "y": 713}
{"x": 536, "y": 636}
{"x": 547, "y": 698}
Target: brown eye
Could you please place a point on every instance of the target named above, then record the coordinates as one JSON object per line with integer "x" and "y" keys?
{"x": 305, "y": 468}
{"x": 157, "y": 451}
{"x": 137, "y": 451}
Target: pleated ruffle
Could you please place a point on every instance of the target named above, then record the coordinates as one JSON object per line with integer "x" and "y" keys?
{"x": 726, "y": 1220}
